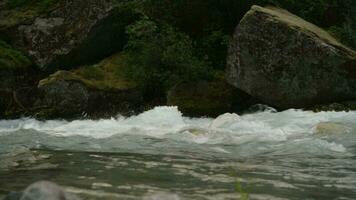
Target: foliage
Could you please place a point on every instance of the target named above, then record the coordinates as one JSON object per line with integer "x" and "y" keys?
{"x": 160, "y": 56}
{"x": 41, "y": 4}
{"x": 11, "y": 58}
{"x": 213, "y": 48}
{"x": 209, "y": 23}
{"x": 244, "y": 195}
{"x": 184, "y": 40}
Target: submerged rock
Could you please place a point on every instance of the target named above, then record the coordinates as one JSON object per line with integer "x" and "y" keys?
{"x": 45, "y": 190}
{"x": 65, "y": 33}
{"x": 330, "y": 128}
{"x": 13, "y": 196}
{"x": 20, "y": 157}
{"x": 161, "y": 196}
{"x": 100, "y": 90}
{"x": 208, "y": 98}
{"x": 23, "y": 158}
{"x": 42, "y": 190}
{"x": 224, "y": 121}
{"x": 287, "y": 62}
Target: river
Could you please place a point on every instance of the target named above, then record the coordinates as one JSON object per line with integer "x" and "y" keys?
{"x": 160, "y": 155}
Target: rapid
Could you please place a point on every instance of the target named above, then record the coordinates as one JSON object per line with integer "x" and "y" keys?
{"x": 161, "y": 155}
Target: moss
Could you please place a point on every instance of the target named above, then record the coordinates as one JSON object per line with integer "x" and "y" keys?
{"x": 340, "y": 106}
{"x": 21, "y": 11}
{"x": 106, "y": 75}
{"x": 41, "y": 4}
{"x": 300, "y": 24}
{"x": 11, "y": 58}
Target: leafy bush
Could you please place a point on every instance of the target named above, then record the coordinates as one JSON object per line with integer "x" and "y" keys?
{"x": 41, "y": 4}
{"x": 160, "y": 56}
{"x": 11, "y": 58}
{"x": 15, "y": 3}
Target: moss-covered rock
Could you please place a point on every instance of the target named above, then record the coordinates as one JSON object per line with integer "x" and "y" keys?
{"x": 340, "y": 106}
{"x": 107, "y": 75}
{"x": 208, "y": 98}
{"x": 331, "y": 128}
{"x": 62, "y": 33}
{"x": 99, "y": 90}
{"x": 288, "y": 62}
{"x": 17, "y": 80}
{"x": 15, "y": 12}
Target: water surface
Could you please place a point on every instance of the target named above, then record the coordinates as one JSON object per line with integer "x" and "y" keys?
{"x": 161, "y": 155}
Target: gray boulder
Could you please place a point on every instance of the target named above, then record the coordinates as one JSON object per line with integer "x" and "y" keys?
{"x": 288, "y": 62}
{"x": 62, "y": 34}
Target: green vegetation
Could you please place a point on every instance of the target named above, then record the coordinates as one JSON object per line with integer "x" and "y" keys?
{"x": 186, "y": 40}
{"x": 160, "y": 57}
{"x": 22, "y": 11}
{"x": 42, "y": 4}
{"x": 203, "y": 17}
{"x": 11, "y": 58}
{"x": 244, "y": 195}
{"x": 183, "y": 40}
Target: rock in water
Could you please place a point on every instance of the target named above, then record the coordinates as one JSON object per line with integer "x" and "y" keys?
{"x": 44, "y": 190}
{"x": 224, "y": 121}
{"x": 13, "y": 196}
{"x": 208, "y": 98}
{"x": 327, "y": 128}
{"x": 97, "y": 91}
{"x": 288, "y": 62}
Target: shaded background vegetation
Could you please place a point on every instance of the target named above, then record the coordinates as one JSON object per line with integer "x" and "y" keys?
{"x": 192, "y": 35}
{"x": 174, "y": 40}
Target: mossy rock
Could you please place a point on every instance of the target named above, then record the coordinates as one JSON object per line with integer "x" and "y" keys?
{"x": 337, "y": 107}
{"x": 18, "y": 77}
{"x": 288, "y": 62}
{"x": 15, "y": 12}
{"x": 60, "y": 34}
{"x": 95, "y": 91}
{"x": 208, "y": 98}
{"x": 107, "y": 75}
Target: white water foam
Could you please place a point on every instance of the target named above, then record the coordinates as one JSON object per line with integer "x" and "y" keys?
{"x": 167, "y": 122}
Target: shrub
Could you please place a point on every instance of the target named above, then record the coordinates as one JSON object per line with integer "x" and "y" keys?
{"x": 160, "y": 56}
{"x": 11, "y": 58}
{"x": 41, "y": 4}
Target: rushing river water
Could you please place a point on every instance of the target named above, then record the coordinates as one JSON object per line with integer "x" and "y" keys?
{"x": 160, "y": 155}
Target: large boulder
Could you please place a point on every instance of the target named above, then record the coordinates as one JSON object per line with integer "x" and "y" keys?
{"x": 288, "y": 62}
{"x": 208, "y": 98}
{"x": 100, "y": 90}
{"x": 65, "y": 33}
